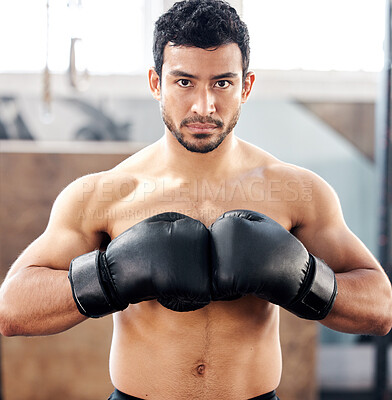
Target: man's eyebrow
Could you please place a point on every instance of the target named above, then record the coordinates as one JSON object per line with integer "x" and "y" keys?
{"x": 184, "y": 74}
{"x": 176, "y": 72}
{"x": 225, "y": 75}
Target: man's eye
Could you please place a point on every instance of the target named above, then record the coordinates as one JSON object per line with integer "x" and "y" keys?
{"x": 184, "y": 82}
{"x": 223, "y": 84}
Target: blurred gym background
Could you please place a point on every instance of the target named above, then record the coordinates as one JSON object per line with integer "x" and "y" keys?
{"x": 74, "y": 99}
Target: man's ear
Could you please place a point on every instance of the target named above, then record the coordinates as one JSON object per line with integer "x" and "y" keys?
{"x": 155, "y": 84}
{"x": 249, "y": 81}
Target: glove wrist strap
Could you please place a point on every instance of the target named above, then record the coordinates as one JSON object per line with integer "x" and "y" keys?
{"x": 87, "y": 289}
{"x": 316, "y": 301}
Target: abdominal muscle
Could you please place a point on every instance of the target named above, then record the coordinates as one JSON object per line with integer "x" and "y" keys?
{"x": 226, "y": 350}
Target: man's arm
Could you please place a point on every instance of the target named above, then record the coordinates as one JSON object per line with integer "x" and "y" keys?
{"x": 36, "y": 297}
{"x": 364, "y": 301}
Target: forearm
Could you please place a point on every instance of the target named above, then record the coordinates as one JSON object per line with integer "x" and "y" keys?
{"x": 37, "y": 301}
{"x": 363, "y": 304}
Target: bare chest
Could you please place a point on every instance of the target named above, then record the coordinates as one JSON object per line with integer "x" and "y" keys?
{"x": 200, "y": 199}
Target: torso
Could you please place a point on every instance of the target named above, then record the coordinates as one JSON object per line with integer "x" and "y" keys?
{"x": 226, "y": 350}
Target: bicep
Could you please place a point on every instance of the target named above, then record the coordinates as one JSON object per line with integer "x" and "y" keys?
{"x": 325, "y": 233}
{"x": 52, "y": 250}
{"x": 67, "y": 235}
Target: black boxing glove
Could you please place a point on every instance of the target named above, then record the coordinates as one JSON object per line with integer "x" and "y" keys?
{"x": 164, "y": 257}
{"x": 253, "y": 254}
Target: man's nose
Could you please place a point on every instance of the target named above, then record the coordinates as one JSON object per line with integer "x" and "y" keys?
{"x": 204, "y": 102}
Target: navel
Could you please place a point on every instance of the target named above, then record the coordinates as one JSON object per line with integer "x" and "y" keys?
{"x": 201, "y": 369}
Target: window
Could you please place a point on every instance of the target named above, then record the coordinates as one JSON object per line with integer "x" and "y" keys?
{"x": 114, "y": 34}
{"x": 320, "y": 35}
{"x": 117, "y": 34}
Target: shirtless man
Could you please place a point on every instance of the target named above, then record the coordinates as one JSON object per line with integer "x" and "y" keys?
{"x": 203, "y": 290}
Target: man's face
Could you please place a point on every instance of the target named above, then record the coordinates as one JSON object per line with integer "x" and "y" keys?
{"x": 201, "y": 93}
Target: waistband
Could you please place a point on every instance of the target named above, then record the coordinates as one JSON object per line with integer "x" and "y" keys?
{"x": 267, "y": 396}
{"x": 117, "y": 395}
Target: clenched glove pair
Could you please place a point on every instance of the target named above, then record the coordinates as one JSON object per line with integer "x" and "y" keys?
{"x": 184, "y": 265}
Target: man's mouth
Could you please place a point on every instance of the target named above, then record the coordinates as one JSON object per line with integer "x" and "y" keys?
{"x": 201, "y": 128}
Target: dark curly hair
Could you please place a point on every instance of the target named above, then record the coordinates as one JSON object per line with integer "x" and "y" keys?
{"x": 200, "y": 23}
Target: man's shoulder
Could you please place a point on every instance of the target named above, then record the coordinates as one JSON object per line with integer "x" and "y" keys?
{"x": 102, "y": 187}
{"x": 306, "y": 183}
{"x": 287, "y": 171}
{"x": 311, "y": 197}
{"x": 275, "y": 168}
{"x": 125, "y": 172}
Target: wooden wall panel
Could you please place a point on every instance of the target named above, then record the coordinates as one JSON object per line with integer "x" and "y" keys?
{"x": 299, "y": 340}
{"x": 74, "y": 364}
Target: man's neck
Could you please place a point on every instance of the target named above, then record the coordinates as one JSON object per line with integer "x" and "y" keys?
{"x": 180, "y": 161}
